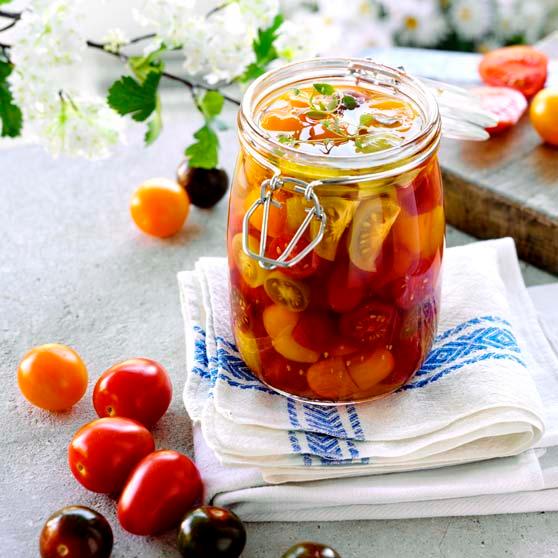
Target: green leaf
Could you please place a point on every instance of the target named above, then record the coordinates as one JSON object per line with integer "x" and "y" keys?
{"x": 5, "y": 1}
{"x": 128, "y": 96}
{"x": 349, "y": 101}
{"x": 324, "y": 88}
{"x": 316, "y": 114}
{"x": 204, "y": 153}
{"x": 10, "y": 113}
{"x": 142, "y": 66}
{"x": 155, "y": 124}
{"x": 211, "y": 104}
{"x": 366, "y": 120}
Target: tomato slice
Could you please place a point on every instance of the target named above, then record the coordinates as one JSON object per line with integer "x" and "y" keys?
{"x": 368, "y": 369}
{"x": 371, "y": 225}
{"x": 412, "y": 290}
{"x": 303, "y": 269}
{"x": 287, "y": 291}
{"x": 249, "y": 268}
{"x": 345, "y": 289}
{"x": 248, "y": 348}
{"x": 276, "y": 217}
{"x": 523, "y": 68}
{"x": 315, "y": 330}
{"x": 424, "y": 193}
{"x": 329, "y": 379}
{"x": 370, "y": 324}
{"x": 284, "y": 374}
{"x": 504, "y": 102}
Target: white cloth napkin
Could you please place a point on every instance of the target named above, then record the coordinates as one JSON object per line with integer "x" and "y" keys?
{"x": 475, "y": 398}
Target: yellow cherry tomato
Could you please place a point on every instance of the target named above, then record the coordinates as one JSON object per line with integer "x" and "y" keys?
{"x": 544, "y": 115}
{"x": 159, "y": 207}
{"x": 52, "y": 377}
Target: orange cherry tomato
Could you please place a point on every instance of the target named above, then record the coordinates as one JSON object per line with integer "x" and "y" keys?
{"x": 52, "y": 377}
{"x": 277, "y": 122}
{"x": 159, "y": 207}
{"x": 276, "y": 218}
{"x": 520, "y": 67}
{"x": 330, "y": 379}
{"x": 544, "y": 115}
{"x": 103, "y": 453}
{"x": 368, "y": 369}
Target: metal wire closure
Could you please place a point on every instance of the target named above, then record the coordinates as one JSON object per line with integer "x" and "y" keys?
{"x": 268, "y": 187}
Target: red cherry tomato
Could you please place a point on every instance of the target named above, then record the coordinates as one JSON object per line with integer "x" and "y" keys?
{"x": 303, "y": 269}
{"x": 414, "y": 289}
{"x": 519, "y": 67}
{"x": 159, "y": 492}
{"x": 284, "y": 374}
{"x": 103, "y": 453}
{"x": 315, "y": 330}
{"x": 138, "y": 388}
{"x": 369, "y": 324}
{"x": 424, "y": 193}
{"x": 507, "y": 104}
{"x": 345, "y": 288}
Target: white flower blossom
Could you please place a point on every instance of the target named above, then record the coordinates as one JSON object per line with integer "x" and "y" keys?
{"x": 260, "y": 13}
{"x": 417, "y": 22}
{"x": 532, "y": 15}
{"x": 195, "y": 44}
{"x": 472, "y": 19}
{"x": 115, "y": 39}
{"x": 295, "y": 42}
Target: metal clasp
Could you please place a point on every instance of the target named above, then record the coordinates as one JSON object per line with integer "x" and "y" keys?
{"x": 268, "y": 187}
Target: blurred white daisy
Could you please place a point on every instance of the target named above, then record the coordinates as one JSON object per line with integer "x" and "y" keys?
{"x": 417, "y": 22}
{"x": 532, "y": 15}
{"x": 472, "y": 19}
{"x": 115, "y": 39}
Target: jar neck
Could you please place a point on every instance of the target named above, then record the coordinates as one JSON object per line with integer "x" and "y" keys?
{"x": 354, "y": 168}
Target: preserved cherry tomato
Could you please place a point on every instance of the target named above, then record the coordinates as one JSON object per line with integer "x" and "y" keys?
{"x": 544, "y": 115}
{"x": 276, "y": 217}
{"x": 76, "y": 532}
{"x": 311, "y": 550}
{"x": 519, "y": 67}
{"x": 369, "y": 324}
{"x": 138, "y": 388}
{"x": 339, "y": 214}
{"x": 248, "y": 348}
{"x": 159, "y": 207}
{"x": 213, "y": 532}
{"x": 345, "y": 288}
{"x": 315, "y": 330}
{"x": 286, "y": 291}
{"x": 103, "y": 453}
{"x": 161, "y": 489}
{"x": 302, "y": 269}
{"x": 330, "y": 379}
{"x": 504, "y": 102}
{"x": 52, "y": 377}
{"x": 284, "y": 374}
{"x": 249, "y": 268}
{"x": 416, "y": 288}
{"x": 368, "y": 369}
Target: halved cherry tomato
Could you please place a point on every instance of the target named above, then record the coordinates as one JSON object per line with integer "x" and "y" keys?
{"x": 52, "y": 377}
{"x": 279, "y": 323}
{"x": 161, "y": 489}
{"x": 368, "y": 369}
{"x": 315, "y": 330}
{"x": 286, "y": 291}
{"x": 281, "y": 122}
{"x": 520, "y": 67}
{"x": 248, "y": 267}
{"x": 284, "y": 374}
{"x": 345, "y": 288}
{"x": 138, "y": 388}
{"x": 248, "y": 348}
{"x": 159, "y": 207}
{"x": 369, "y": 324}
{"x": 343, "y": 347}
{"x": 76, "y": 532}
{"x": 296, "y": 212}
{"x": 301, "y": 270}
{"x": 103, "y": 453}
{"x": 329, "y": 379}
{"x": 424, "y": 193}
{"x": 544, "y": 115}
{"x": 276, "y": 218}
{"x": 507, "y": 104}
{"x": 371, "y": 225}
{"x": 413, "y": 289}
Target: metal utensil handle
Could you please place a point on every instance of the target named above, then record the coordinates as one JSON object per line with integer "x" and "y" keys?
{"x": 268, "y": 187}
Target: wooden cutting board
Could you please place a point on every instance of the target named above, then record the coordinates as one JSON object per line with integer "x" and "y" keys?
{"x": 506, "y": 186}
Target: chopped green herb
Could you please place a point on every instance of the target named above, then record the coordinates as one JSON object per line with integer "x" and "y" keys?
{"x": 366, "y": 120}
{"x": 296, "y": 91}
{"x": 316, "y": 114}
{"x": 349, "y": 102}
{"x": 324, "y": 88}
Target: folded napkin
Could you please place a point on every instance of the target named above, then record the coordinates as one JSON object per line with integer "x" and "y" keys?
{"x": 473, "y": 399}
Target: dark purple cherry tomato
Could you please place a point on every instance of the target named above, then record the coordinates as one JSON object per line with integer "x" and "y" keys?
{"x": 211, "y": 531}
{"x": 205, "y": 187}
{"x": 311, "y": 550}
{"x": 76, "y": 532}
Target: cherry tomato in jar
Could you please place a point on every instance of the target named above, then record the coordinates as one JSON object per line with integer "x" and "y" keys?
{"x": 103, "y": 453}
{"x": 424, "y": 192}
{"x": 159, "y": 207}
{"x": 520, "y": 67}
{"x": 315, "y": 330}
{"x": 311, "y": 550}
{"x": 209, "y": 531}
{"x": 286, "y": 291}
{"x": 251, "y": 272}
{"x": 305, "y": 268}
{"x": 345, "y": 288}
{"x": 52, "y": 377}
{"x": 544, "y": 115}
{"x": 76, "y": 532}
{"x": 284, "y": 374}
{"x": 276, "y": 218}
{"x": 161, "y": 489}
{"x": 507, "y": 104}
{"x": 370, "y": 324}
{"x": 418, "y": 287}
{"x": 138, "y": 388}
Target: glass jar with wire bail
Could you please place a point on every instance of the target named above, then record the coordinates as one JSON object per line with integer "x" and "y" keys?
{"x": 336, "y": 228}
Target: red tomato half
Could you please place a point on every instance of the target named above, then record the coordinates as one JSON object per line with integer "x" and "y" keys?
{"x": 369, "y": 324}
{"x": 345, "y": 288}
{"x": 519, "y": 67}
{"x": 138, "y": 388}
{"x": 305, "y": 268}
{"x": 103, "y": 453}
{"x": 159, "y": 492}
{"x": 315, "y": 330}
{"x": 507, "y": 104}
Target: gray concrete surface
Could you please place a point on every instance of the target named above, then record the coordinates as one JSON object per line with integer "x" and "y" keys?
{"x": 74, "y": 269}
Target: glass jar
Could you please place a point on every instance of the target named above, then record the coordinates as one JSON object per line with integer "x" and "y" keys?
{"x": 351, "y": 311}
